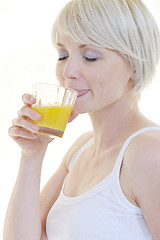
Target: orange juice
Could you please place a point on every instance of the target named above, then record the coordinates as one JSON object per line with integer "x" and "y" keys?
{"x": 53, "y": 119}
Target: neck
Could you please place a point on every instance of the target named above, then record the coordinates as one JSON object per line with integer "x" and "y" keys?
{"x": 112, "y": 125}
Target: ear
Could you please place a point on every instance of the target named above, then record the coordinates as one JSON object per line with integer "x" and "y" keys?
{"x": 132, "y": 80}
{"x": 134, "y": 75}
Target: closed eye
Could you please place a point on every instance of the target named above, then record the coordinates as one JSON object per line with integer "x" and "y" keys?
{"x": 62, "y": 58}
{"x": 85, "y": 58}
{"x": 90, "y": 59}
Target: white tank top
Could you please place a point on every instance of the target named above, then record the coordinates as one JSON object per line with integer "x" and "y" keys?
{"x": 102, "y": 213}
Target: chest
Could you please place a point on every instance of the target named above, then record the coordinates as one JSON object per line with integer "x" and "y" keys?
{"x": 94, "y": 219}
{"x": 95, "y": 213}
{"x": 87, "y": 172}
{"x": 85, "y": 175}
{"x": 82, "y": 179}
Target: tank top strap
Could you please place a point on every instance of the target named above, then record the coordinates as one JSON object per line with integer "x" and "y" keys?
{"x": 120, "y": 157}
{"x": 79, "y": 152}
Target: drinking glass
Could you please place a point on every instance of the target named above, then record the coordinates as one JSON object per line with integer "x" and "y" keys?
{"x": 54, "y": 103}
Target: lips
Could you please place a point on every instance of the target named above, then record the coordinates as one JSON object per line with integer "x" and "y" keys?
{"x": 82, "y": 92}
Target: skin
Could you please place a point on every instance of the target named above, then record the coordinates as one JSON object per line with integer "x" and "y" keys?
{"x": 103, "y": 80}
{"x": 108, "y": 102}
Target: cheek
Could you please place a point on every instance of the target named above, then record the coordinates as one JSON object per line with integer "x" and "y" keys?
{"x": 59, "y": 74}
{"x": 111, "y": 83}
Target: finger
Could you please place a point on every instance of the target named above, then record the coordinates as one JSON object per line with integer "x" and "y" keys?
{"x": 16, "y": 132}
{"x": 29, "y": 112}
{"x": 28, "y": 99}
{"x": 23, "y": 123}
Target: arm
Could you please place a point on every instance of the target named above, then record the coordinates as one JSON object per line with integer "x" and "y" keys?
{"x": 23, "y": 214}
{"x": 144, "y": 171}
{"x": 23, "y": 219}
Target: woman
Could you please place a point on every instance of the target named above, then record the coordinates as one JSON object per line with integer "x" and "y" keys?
{"x": 107, "y": 186}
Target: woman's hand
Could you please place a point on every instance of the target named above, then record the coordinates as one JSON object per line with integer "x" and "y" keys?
{"x": 24, "y": 132}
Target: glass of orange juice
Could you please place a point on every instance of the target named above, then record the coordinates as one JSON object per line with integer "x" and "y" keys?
{"x": 55, "y": 104}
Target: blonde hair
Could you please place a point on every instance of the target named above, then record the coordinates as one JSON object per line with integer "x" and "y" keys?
{"x": 126, "y": 26}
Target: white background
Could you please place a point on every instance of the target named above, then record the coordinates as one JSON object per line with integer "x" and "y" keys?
{"x": 26, "y": 56}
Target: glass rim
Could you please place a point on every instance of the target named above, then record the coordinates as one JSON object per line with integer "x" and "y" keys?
{"x": 55, "y": 85}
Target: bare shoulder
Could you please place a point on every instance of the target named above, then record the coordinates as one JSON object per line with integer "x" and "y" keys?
{"x": 144, "y": 150}
{"x": 143, "y": 170}
{"x": 143, "y": 154}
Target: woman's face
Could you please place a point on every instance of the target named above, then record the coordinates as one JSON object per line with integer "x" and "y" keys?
{"x": 100, "y": 76}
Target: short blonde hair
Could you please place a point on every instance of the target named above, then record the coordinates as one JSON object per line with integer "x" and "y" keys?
{"x": 126, "y": 26}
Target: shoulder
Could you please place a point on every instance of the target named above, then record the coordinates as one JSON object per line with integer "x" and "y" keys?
{"x": 142, "y": 164}
{"x": 76, "y": 146}
{"x": 144, "y": 149}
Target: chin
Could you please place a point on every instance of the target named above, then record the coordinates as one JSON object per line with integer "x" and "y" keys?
{"x": 81, "y": 108}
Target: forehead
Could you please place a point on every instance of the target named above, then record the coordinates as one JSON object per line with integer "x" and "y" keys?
{"x": 66, "y": 41}
{"x": 67, "y": 38}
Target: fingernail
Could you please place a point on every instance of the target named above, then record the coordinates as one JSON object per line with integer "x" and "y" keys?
{"x": 37, "y": 116}
{"x": 32, "y": 99}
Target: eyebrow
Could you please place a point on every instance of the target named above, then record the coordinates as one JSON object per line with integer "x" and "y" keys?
{"x": 61, "y": 45}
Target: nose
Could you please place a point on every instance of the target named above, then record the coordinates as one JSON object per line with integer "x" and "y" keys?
{"x": 71, "y": 69}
